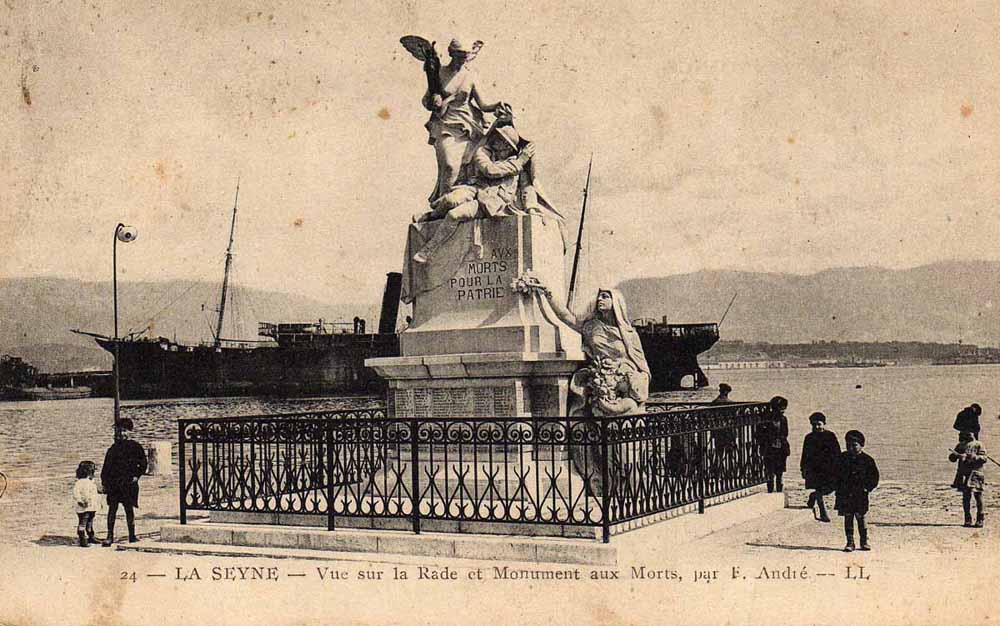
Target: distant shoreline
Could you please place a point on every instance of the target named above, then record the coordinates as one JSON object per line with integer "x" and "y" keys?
{"x": 737, "y": 354}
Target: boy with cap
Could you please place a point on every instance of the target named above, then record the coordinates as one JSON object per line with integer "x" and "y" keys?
{"x": 820, "y": 451}
{"x": 969, "y": 479}
{"x": 857, "y": 475}
{"x": 124, "y": 463}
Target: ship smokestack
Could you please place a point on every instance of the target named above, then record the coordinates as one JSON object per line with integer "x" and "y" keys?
{"x": 390, "y": 303}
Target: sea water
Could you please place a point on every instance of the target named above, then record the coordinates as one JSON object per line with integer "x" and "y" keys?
{"x": 906, "y": 414}
{"x": 47, "y": 439}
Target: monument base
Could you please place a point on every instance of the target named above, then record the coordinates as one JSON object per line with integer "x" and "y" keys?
{"x": 484, "y": 371}
{"x": 478, "y": 385}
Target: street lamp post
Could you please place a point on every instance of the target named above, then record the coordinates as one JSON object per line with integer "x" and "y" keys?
{"x": 123, "y": 234}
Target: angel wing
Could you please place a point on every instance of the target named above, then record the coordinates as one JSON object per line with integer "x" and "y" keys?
{"x": 418, "y": 47}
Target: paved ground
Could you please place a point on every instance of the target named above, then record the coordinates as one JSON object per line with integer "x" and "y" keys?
{"x": 925, "y": 568}
{"x": 42, "y": 509}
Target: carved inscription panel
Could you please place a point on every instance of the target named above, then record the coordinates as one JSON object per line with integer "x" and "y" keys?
{"x": 436, "y": 402}
{"x": 488, "y": 278}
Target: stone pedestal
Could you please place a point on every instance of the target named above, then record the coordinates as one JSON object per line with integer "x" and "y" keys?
{"x": 463, "y": 301}
{"x": 479, "y": 348}
{"x": 476, "y": 347}
{"x": 158, "y": 459}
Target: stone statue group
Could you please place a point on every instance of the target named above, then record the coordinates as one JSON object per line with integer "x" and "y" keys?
{"x": 488, "y": 170}
{"x": 484, "y": 169}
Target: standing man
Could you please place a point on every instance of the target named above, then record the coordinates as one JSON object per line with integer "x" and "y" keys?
{"x": 772, "y": 438}
{"x": 124, "y": 463}
{"x": 723, "y": 397}
{"x": 968, "y": 420}
{"x": 726, "y": 454}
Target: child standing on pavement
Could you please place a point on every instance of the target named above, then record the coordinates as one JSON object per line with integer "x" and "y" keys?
{"x": 857, "y": 475}
{"x": 969, "y": 479}
{"x": 85, "y": 502}
{"x": 772, "y": 439}
{"x": 820, "y": 453}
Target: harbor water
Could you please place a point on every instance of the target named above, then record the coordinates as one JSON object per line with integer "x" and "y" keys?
{"x": 906, "y": 414}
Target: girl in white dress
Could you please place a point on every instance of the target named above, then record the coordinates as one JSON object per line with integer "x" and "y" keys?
{"x": 85, "y": 502}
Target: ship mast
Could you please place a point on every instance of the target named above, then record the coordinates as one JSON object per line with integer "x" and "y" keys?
{"x": 225, "y": 276}
{"x": 579, "y": 236}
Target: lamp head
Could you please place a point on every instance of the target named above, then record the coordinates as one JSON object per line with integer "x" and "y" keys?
{"x": 126, "y": 234}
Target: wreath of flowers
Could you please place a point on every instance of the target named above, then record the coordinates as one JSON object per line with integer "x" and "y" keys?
{"x": 606, "y": 375}
{"x": 526, "y": 283}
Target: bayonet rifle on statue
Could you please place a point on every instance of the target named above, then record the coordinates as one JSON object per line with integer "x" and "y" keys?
{"x": 579, "y": 236}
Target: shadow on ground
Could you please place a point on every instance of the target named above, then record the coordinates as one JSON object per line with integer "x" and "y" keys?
{"x": 783, "y": 546}
{"x": 49, "y": 541}
{"x": 915, "y": 524}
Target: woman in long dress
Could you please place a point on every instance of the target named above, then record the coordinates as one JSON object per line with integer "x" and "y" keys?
{"x": 456, "y": 124}
{"x": 616, "y": 378}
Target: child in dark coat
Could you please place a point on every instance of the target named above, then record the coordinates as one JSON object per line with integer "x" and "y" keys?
{"x": 968, "y": 419}
{"x": 820, "y": 452}
{"x": 857, "y": 475}
{"x": 124, "y": 463}
{"x": 772, "y": 438}
{"x": 969, "y": 479}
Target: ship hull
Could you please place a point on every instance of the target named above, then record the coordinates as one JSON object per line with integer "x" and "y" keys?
{"x": 672, "y": 353}
{"x": 164, "y": 369}
{"x": 335, "y": 365}
{"x": 46, "y": 393}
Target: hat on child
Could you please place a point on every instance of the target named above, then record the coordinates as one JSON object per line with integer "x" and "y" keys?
{"x": 779, "y": 403}
{"x": 855, "y": 435}
{"x": 817, "y": 418}
{"x": 724, "y": 388}
{"x": 978, "y": 410}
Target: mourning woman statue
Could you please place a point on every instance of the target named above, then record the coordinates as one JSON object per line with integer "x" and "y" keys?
{"x": 615, "y": 380}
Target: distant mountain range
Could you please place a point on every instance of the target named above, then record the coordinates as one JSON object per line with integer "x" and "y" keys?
{"x": 36, "y": 315}
{"x": 943, "y": 302}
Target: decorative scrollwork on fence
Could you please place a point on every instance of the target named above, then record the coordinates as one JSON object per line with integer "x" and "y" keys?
{"x": 567, "y": 471}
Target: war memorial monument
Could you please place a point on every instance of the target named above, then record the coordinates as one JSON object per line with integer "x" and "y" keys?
{"x": 506, "y": 413}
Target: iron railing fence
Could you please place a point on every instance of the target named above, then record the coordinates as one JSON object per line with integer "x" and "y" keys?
{"x": 592, "y": 472}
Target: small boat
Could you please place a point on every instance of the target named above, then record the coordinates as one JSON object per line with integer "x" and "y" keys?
{"x": 20, "y": 381}
{"x": 54, "y": 393}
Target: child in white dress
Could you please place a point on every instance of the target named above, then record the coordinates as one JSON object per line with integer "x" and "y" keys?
{"x": 85, "y": 501}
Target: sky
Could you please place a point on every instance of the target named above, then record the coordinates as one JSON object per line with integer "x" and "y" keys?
{"x": 771, "y": 136}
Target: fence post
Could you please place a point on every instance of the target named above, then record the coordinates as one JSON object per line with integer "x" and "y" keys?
{"x": 605, "y": 485}
{"x": 329, "y": 474}
{"x": 702, "y": 453}
{"x": 181, "y": 467}
{"x": 415, "y": 474}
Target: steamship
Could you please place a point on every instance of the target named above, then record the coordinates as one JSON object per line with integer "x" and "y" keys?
{"x": 322, "y": 358}
{"x": 294, "y": 359}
